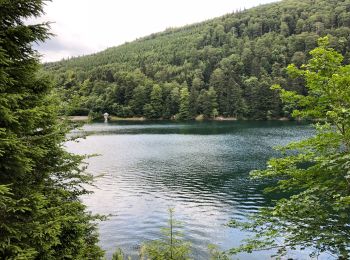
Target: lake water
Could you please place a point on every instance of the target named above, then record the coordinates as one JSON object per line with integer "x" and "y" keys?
{"x": 200, "y": 169}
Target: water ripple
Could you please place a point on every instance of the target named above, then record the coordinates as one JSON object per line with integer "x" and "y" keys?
{"x": 200, "y": 169}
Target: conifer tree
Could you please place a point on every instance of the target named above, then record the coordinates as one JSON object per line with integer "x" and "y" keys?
{"x": 41, "y": 215}
{"x": 170, "y": 246}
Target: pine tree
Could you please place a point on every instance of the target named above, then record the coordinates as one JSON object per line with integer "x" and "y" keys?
{"x": 41, "y": 216}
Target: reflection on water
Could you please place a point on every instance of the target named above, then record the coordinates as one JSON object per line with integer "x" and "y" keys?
{"x": 200, "y": 169}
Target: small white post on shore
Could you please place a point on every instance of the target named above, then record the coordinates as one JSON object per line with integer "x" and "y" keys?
{"x": 105, "y": 115}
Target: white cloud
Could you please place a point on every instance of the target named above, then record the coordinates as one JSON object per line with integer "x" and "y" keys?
{"x": 86, "y": 26}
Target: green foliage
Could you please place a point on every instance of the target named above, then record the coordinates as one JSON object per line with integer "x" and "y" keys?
{"x": 223, "y": 53}
{"x": 139, "y": 100}
{"x": 313, "y": 174}
{"x": 119, "y": 255}
{"x": 174, "y": 102}
{"x": 207, "y": 103}
{"x": 216, "y": 254}
{"x": 171, "y": 246}
{"x": 94, "y": 116}
{"x": 155, "y": 108}
{"x": 41, "y": 216}
{"x": 184, "y": 112}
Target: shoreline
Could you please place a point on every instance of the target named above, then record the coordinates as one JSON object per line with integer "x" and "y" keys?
{"x": 116, "y": 119}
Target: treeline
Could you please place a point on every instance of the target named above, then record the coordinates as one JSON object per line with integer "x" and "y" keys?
{"x": 222, "y": 67}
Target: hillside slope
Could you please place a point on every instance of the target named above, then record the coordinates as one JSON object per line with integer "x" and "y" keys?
{"x": 223, "y": 66}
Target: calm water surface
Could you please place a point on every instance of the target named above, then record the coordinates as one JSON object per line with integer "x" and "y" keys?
{"x": 200, "y": 169}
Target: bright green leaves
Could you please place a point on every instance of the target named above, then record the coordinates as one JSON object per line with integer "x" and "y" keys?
{"x": 327, "y": 83}
{"x": 311, "y": 176}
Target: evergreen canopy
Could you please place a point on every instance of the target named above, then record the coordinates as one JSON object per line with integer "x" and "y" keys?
{"x": 239, "y": 56}
{"x": 41, "y": 216}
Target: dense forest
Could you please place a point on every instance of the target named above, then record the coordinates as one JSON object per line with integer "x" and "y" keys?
{"x": 221, "y": 67}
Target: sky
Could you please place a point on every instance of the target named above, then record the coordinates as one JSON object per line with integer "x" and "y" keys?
{"x": 87, "y": 26}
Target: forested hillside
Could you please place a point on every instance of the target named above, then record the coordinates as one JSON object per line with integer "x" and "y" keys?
{"x": 223, "y": 66}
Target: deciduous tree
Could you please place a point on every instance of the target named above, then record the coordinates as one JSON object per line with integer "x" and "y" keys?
{"x": 313, "y": 174}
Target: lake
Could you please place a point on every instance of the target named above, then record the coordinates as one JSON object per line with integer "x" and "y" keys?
{"x": 201, "y": 169}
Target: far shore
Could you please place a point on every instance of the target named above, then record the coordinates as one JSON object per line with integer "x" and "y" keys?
{"x": 116, "y": 119}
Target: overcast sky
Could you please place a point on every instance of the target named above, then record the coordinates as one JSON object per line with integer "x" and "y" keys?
{"x": 88, "y": 26}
